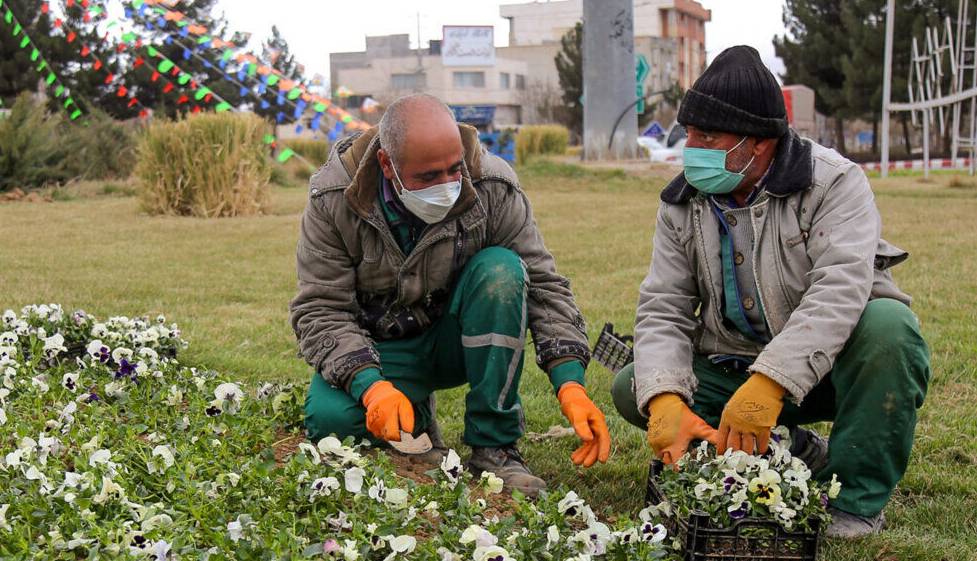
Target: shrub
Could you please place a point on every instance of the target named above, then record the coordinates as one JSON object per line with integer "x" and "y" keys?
{"x": 30, "y": 154}
{"x": 101, "y": 148}
{"x": 541, "y": 139}
{"x": 207, "y": 165}
{"x": 316, "y": 151}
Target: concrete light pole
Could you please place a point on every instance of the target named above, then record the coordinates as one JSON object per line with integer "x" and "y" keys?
{"x": 609, "y": 80}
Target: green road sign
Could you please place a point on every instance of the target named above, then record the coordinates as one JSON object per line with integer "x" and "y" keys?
{"x": 641, "y": 69}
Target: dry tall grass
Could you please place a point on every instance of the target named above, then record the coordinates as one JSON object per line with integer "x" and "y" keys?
{"x": 541, "y": 139}
{"x": 209, "y": 165}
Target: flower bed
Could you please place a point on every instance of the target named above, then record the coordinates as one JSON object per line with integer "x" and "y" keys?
{"x": 123, "y": 452}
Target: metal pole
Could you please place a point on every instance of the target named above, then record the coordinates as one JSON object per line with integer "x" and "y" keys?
{"x": 890, "y": 24}
{"x": 926, "y": 146}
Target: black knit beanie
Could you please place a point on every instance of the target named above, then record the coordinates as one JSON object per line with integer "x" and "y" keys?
{"x": 736, "y": 94}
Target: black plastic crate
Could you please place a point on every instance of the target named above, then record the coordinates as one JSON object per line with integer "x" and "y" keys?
{"x": 746, "y": 539}
{"x": 613, "y": 350}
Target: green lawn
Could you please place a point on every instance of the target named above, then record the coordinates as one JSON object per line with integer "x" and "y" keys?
{"x": 228, "y": 283}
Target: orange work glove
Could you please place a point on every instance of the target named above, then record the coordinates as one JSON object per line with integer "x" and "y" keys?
{"x": 388, "y": 411}
{"x": 672, "y": 427}
{"x": 588, "y": 422}
{"x": 750, "y": 414}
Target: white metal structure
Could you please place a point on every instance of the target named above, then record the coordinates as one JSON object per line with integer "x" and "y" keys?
{"x": 944, "y": 49}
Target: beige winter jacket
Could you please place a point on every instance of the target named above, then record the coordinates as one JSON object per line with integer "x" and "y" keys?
{"x": 818, "y": 259}
{"x": 355, "y": 285}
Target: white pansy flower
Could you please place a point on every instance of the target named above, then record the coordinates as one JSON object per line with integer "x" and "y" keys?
{"x": 8, "y": 339}
{"x": 451, "y": 466}
{"x": 4, "y": 525}
{"x": 46, "y": 446}
{"x": 552, "y": 536}
{"x": 9, "y": 317}
{"x": 264, "y": 391}
{"x": 446, "y": 554}
{"x": 477, "y": 535}
{"x": 235, "y": 531}
{"x": 311, "y": 452}
{"x": 323, "y": 487}
{"x": 570, "y": 505}
{"x": 15, "y": 458}
{"x": 40, "y": 382}
{"x": 121, "y": 353}
{"x": 491, "y": 553}
{"x": 396, "y": 497}
{"x": 237, "y": 528}
{"x": 331, "y": 446}
{"x": 353, "y": 479}
{"x": 230, "y": 395}
{"x": 401, "y": 545}
{"x": 161, "y": 460}
{"x": 54, "y": 345}
{"x": 378, "y": 491}
{"x": 493, "y": 483}
{"x": 3, "y": 417}
{"x": 110, "y": 490}
{"x": 156, "y": 521}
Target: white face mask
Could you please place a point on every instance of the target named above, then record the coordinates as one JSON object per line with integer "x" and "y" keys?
{"x": 430, "y": 204}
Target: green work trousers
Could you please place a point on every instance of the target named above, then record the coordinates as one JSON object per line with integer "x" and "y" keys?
{"x": 878, "y": 382}
{"x": 479, "y": 342}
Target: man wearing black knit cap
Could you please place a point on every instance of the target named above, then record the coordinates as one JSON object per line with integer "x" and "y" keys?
{"x": 769, "y": 301}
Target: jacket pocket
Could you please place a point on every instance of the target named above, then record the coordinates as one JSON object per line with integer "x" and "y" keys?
{"x": 888, "y": 255}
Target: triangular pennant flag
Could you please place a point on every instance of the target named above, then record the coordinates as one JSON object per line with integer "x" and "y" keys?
{"x": 222, "y": 107}
{"x": 286, "y": 155}
{"x": 168, "y": 87}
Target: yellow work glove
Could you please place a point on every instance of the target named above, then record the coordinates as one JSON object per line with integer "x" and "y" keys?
{"x": 588, "y": 422}
{"x": 388, "y": 411}
{"x": 672, "y": 427}
{"x": 750, "y": 414}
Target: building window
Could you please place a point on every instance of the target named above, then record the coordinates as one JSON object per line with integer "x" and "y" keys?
{"x": 520, "y": 82}
{"x": 413, "y": 81}
{"x": 469, "y": 79}
{"x": 504, "y": 80}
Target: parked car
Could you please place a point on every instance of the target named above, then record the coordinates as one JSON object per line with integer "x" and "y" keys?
{"x": 669, "y": 150}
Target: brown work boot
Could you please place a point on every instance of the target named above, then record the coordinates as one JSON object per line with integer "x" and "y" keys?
{"x": 846, "y": 525}
{"x": 506, "y": 463}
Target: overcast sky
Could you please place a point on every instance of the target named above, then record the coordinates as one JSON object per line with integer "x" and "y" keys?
{"x": 316, "y": 28}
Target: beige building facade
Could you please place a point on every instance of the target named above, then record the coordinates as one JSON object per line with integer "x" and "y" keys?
{"x": 522, "y": 86}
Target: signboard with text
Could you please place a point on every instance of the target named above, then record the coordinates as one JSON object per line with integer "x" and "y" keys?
{"x": 468, "y": 45}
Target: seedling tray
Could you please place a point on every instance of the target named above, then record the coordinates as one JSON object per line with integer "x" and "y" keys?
{"x": 746, "y": 539}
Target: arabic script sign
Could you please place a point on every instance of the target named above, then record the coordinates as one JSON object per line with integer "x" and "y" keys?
{"x": 465, "y": 45}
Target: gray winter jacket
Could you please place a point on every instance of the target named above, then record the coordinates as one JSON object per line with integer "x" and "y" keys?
{"x": 355, "y": 285}
{"x": 818, "y": 260}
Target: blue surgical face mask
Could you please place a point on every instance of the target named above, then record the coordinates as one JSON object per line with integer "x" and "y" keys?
{"x": 705, "y": 169}
{"x": 430, "y": 204}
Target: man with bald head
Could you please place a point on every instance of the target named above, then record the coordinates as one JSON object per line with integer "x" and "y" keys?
{"x": 420, "y": 268}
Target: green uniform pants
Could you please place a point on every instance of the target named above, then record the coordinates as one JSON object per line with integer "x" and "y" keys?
{"x": 878, "y": 382}
{"x": 479, "y": 341}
